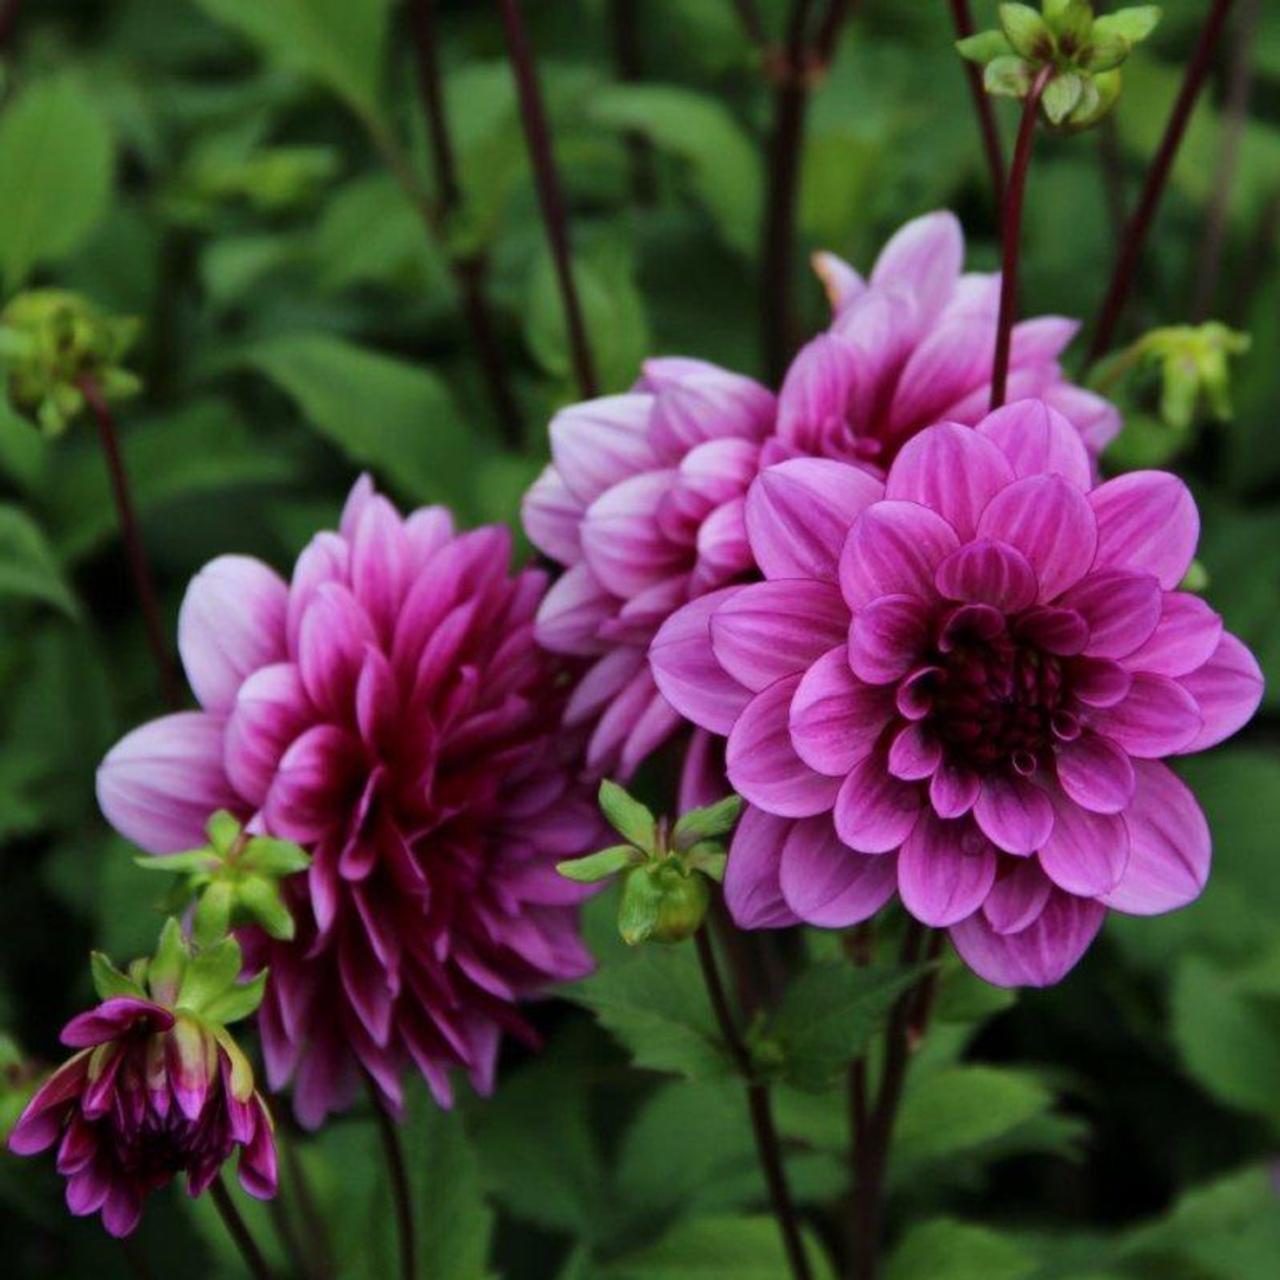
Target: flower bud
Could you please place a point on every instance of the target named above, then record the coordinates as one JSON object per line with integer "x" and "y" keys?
{"x": 663, "y": 903}
{"x": 51, "y": 341}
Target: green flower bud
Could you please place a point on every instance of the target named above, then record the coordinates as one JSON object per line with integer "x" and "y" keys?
{"x": 663, "y": 903}
{"x": 51, "y": 342}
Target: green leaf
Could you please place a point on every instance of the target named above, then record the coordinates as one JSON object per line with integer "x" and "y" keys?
{"x": 715, "y": 1248}
{"x": 1131, "y": 25}
{"x": 949, "y": 1250}
{"x": 338, "y": 43}
{"x": 598, "y": 866}
{"x": 723, "y": 165}
{"x": 984, "y": 46}
{"x": 656, "y": 1005}
{"x": 626, "y": 815}
{"x": 28, "y": 568}
{"x": 238, "y": 1001}
{"x": 55, "y": 175}
{"x": 1061, "y": 96}
{"x": 1026, "y": 31}
{"x": 108, "y": 981}
{"x": 380, "y": 411}
{"x": 209, "y": 973}
{"x": 706, "y": 823}
{"x": 828, "y": 1015}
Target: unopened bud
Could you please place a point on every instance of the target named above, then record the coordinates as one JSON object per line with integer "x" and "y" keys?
{"x": 662, "y": 903}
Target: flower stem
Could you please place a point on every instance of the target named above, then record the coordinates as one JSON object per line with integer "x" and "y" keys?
{"x": 286, "y": 1234}
{"x": 238, "y": 1230}
{"x": 1011, "y": 235}
{"x": 1157, "y": 177}
{"x": 550, "y": 198}
{"x": 986, "y": 113}
{"x": 766, "y": 1134}
{"x": 139, "y": 565}
{"x": 752, "y": 23}
{"x": 468, "y": 272}
{"x": 312, "y": 1219}
{"x": 399, "y": 1176}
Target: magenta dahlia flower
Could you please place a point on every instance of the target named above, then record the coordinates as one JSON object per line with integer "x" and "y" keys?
{"x": 388, "y": 710}
{"x": 153, "y": 1092}
{"x": 913, "y": 345}
{"x": 958, "y": 684}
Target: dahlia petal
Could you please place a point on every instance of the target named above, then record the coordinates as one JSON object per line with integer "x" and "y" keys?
{"x": 1038, "y": 440}
{"x": 377, "y": 704}
{"x": 1086, "y": 852}
{"x": 1147, "y": 523}
{"x": 702, "y": 780}
{"x": 380, "y": 563}
{"x": 799, "y": 512}
{"x": 1226, "y": 689}
{"x": 894, "y": 548}
{"x": 427, "y": 531}
{"x": 988, "y": 572}
{"x": 1018, "y": 896}
{"x": 953, "y": 790}
{"x": 835, "y": 718}
{"x": 232, "y": 622}
{"x": 817, "y": 391}
{"x": 1100, "y": 682}
{"x": 122, "y": 1209}
{"x": 1096, "y": 419}
{"x": 915, "y": 753}
{"x": 257, "y": 1166}
{"x": 888, "y": 637}
{"x": 764, "y": 766}
{"x": 40, "y": 1124}
{"x": 1014, "y": 813}
{"x": 271, "y": 710}
{"x": 923, "y": 257}
{"x": 839, "y": 280}
{"x": 622, "y": 539}
{"x": 830, "y": 885}
{"x": 326, "y": 558}
{"x": 697, "y": 401}
{"x": 1042, "y": 339}
{"x": 649, "y": 731}
{"x": 951, "y": 470}
{"x": 573, "y": 612}
{"x": 551, "y": 516}
{"x": 1121, "y": 609}
{"x": 772, "y": 629}
{"x": 1169, "y": 845}
{"x": 312, "y": 787}
{"x": 1059, "y": 631}
{"x": 1049, "y": 521}
{"x": 602, "y": 683}
{"x": 953, "y": 357}
{"x": 599, "y": 443}
{"x": 1157, "y": 717}
{"x": 111, "y": 1019}
{"x": 87, "y": 1191}
{"x": 331, "y": 646}
{"x": 751, "y": 889}
{"x": 1185, "y": 637}
{"x": 1037, "y": 956}
{"x": 1096, "y": 774}
{"x": 724, "y": 552}
{"x": 875, "y": 811}
{"x": 686, "y": 670}
{"x": 945, "y": 871}
{"x": 361, "y": 493}
{"x": 159, "y": 784}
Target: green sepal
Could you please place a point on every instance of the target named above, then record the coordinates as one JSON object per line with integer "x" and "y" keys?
{"x": 210, "y": 972}
{"x": 237, "y": 1001}
{"x": 272, "y": 857}
{"x": 1008, "y": 77}
{"x": 1105, "y": 51}
{"x": 983, "y": 46}
{"x": 193, "y": 861}
{"x": 1026, "y": 31}
{"x": 709, "y": 858}
{"x": 241, "y": 1070}
{"x": 627, "y": 816}
{"x": 1132, "y": 25}
{"x": 223, "y": 830}
{"x": 1061, "y": 96}
{"x": 599, "y": 866}
{"x": 166, "y": 972}
{"x": 260, "y": 899}
{"x": 109, "y": 982}
{"x": 212, "y": 917}
{"x": 705, "y": 823}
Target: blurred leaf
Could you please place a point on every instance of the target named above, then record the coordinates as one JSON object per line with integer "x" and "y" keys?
{"x": 949, "y": 1250}
{"x": 723, "y": 164}
{"x": 339, "y": 43}
{"x": 28, "y": 568}
{"x": 380, "y": 411}
{"x": 655, "y": 1003}
{"x": 55, "y": 174}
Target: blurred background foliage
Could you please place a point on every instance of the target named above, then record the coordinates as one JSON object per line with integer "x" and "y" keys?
{"x": 247, "y": 177}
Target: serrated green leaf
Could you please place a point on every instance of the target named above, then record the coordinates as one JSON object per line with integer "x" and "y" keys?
{"x": 598, "y": 866}
{"x": 708, "y": 822}
{"x": 626, "y": 815}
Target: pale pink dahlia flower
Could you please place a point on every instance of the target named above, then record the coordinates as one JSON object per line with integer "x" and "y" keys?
{"x": 151, "y": 1093}
{"x": 913, "y": 345}
{"x": 387, "y": 709}
{"x": 642, "y": 504}
{"x": 957, "y": 685}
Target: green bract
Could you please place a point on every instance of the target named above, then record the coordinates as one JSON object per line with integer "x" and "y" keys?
{"x": 234, "y": 879}
{"x": 1084, "y": 53}
{"x": 51, "y": 342}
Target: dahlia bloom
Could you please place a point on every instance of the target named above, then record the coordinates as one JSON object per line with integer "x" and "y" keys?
{"x": 958, "y": 684}
{"x": 152, "y": 1092}
{"x": 913, "y": 345}
{"x": 388, "y": 710}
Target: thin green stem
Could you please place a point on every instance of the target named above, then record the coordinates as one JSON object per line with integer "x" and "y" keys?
{"x": 399, "y": 1179}
{"x": 238, "y": 1230}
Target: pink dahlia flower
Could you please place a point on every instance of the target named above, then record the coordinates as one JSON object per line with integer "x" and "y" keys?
{"x": 388, "y": 710}
{"x": 152, "y": 1093}
{"x": 642, "y": 504}
{"x": 914, "y": 345}
{"x": 958, "y": 684}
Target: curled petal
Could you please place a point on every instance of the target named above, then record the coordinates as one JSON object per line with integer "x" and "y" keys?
{"x": 828, "y": 884}
{"x": 751, "y": 888}
{"x": 835, "y": 718}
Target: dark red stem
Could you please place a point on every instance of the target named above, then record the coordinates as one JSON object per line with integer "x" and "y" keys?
{"x": 9, "y": 10}
{"x": 555, "y": 220}
{"x": 752, "y": 23}
{"x": 1011, "y": 224}
{"x": 837, "y": 14}
{"x": 768, "y": 1147}
{"x": 1139, "y": 224}
{"x": 139, "y": 566}
{"x": 986, "y": 112}
{"x": 238, "y": 1230}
